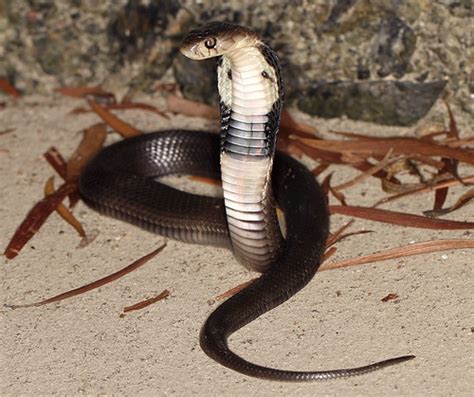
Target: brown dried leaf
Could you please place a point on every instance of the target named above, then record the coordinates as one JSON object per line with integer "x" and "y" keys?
{"x": 7, "y": 131}
{"x": 288, "y": 147}
{"x": 461, "y": 202}
{"x": 320, "y": 169}
{"x": 326, "y": 186}
{"x": 7, "y": 88}
{"x": 186, "y": 107}
{"x": 389, "y": 186}
{"x": 139, "y": 106}
{"x": 96, "y": 284}
{"x": 460, "y": 142}
{"x": 424, "y": 189}
{"x": 364, "y": 166}
{"x": 400, "y": 252}
{"x": 428, "y": 160}
{"x": 234, "y": 290}
{"x": 326, "y": 156}
{"x": 453, "y": 128}
{"x": 338, "y": 195}
{"x": 120, "y": 126}
{"x": 290, "y": 125}
{"x": 63, "y": 211}
{"x": 368, "y": 173}
{"x": 92, "y": 142}
{"x": 440, "y": 199}
{"x": 124, "y": 106}
{"x": 334, "y": 237}
{"x": 203, "y": 179}
{"x": 35, "y": 218}
{"x": 83, "y": 92}
{"x": 399, "y": 218}
{"x": 329, "y": 252}
{"x": 356, "y": 233}
{"x": 355, "y": 135}
{"x": 389, "y": 297}
{"x": 449, "y": 165}
{"x": 378, "y": 147}
{"x": 140, "y": 305}
{"x": 56, "y": 160}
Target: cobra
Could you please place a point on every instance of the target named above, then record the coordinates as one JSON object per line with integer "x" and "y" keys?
{"x": 122, "y": 182}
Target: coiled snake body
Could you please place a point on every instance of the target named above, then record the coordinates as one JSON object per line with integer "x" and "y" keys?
{"x": 121, "y": 182}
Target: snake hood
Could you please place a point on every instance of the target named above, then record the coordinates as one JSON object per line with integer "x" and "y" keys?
{"x": 251, "y": 93}
{"x": 244, "y": 56}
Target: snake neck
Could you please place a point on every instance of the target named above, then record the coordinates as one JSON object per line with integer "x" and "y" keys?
{"x": 251, "y": 99}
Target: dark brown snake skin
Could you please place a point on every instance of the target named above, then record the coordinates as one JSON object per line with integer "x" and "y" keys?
{"x": 120, "y": 182}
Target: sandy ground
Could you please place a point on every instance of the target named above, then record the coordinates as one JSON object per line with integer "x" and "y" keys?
{"x": 84, "y": 345}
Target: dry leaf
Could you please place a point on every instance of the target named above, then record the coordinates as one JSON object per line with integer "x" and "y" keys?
{"x": 140, "y": 305}
{"x": 372, "y": 147}
{"x": 333, "y": 237}
{"x": 320, "y": 169}
{"x": 234, "y": 290}
{"x": 186, "y": 107}
{"x": 424, "y": 189}
{"x": 124, "y": 106}
{"x": 85, "y": 92}
{"x": 330, "y": 252}
{"x": 96, "y": 284}
{"x": 399, "y": 218}
{"x": 7, "y": 131}
{"x": 461, "y": 202}
{"x": 400, "y": 252}
{"x": 63, "y": 211}
{"x": 7, "y": 88}
{"x": 35, "y": 218}
{"x": 91, "y": 143}
{"x": 389, "y": 297}
{"x": 120, "y": 126}
{"x": 453, "y": 128}
{"x": 56, "y": 160}
{"x": 368, "y": 173}
{"x": 206, "y": 180}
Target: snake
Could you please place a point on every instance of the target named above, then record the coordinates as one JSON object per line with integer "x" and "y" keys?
{"x": 122, "y": 181}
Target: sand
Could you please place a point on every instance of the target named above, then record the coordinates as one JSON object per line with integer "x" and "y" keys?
{"x": 85, "y": 346}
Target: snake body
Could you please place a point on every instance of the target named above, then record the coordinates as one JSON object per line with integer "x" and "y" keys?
{"x": 121, "y": 182}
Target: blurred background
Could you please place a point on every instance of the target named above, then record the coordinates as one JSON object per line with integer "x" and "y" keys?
{"x": 384, "y": 61}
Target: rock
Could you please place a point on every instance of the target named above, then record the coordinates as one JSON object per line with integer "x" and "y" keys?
{"x": 136, "y": 27}
{"x": 461, "y": 8}
{"x": 393, "y": 47}
{"x": 384, "y": 102}
{"x": 342, "y": 13}
{"x": 129, "y": 44}
{"x": 197, "y": 80}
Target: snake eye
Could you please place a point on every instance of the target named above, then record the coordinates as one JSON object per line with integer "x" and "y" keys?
{"x": 210, "y": 43}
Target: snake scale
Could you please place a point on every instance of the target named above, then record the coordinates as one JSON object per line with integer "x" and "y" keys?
{"x": 121, "y": 182}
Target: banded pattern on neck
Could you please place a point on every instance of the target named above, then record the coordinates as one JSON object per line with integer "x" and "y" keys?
{"x": 251, "y": 103}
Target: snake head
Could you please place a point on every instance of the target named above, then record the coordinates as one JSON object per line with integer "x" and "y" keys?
{"x": 215, "y": 39}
